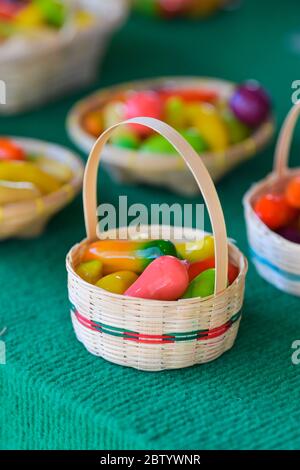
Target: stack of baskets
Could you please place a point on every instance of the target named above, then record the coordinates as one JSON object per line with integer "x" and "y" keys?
{"x": 156, "y": 335}
{"x": 277, "y": 260}
{"x": 35, "y": 71}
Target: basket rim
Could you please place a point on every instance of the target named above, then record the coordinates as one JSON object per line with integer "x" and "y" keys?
{"x": 71, "y": 188}
{"x": 196, "y": 300}
{"x": 249, "y": 211}
{"x": 85, "y": 141}
{"x": 111, "y": 22}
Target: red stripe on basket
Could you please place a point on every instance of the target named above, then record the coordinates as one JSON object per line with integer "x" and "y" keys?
{"x": 215, "y": 332}
{"x": 142, "y": 335}
{"x": 138, "y": 340}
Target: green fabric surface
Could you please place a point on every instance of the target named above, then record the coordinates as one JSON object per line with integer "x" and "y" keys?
{"x": 53, "y": 394}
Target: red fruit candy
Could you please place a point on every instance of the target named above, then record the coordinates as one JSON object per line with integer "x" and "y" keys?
{"x": 143, "y": 103}
{"x": 174, "y": 7}
{"x": 9, "y": 150}
{"x": 197, "y": 268}
{"x": 292, "y": 192}
{"x": 274, "y": 211}
{"x": 190, "y": 95}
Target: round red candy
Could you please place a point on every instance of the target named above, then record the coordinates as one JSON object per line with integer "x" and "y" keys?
{"x": 174, "y": 7}
{"x": 9, "y": 150}
{"x": 292, "y": 192}
{"x": 274, "y": 211}
{"x": 143, "y": 103}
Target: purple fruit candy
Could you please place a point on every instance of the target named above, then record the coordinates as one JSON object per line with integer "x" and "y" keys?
{"x": 250, "y": 103}
{"x": 290, "y": 233}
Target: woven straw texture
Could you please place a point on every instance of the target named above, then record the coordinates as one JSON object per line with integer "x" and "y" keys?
{"x": 166, "y": 170}
{"x": 53, "y": 393}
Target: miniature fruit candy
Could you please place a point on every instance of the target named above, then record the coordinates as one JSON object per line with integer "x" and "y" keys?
{"x": 118, "y": 282}
{"x": 29, "y": 172}
{"x": 174, "y": 112}
{"x": 143, "y": 103}
{"x": 157, "y": 144}
{"x": 53, "y": 11}
{"x": 93, "y": 123}
{"x": 190, "y": 95}
{"x": 202, "y": 286}
{"x": 171, "y": 8}
{"x": 198, "y": 250}
{"x": 127, "y": 140}
{"x": 195, "y": 139}
{"x": 90, "y": 271}
{"x": 211, "y": 127}
{"x": 198, "y": 267}
{"x": 237, "y": 130}
{"x": 166, "y": 278}
{"x": 58, "y": 170}
{"x": 290, "y": 233}
{"x": 129, "y": 255}
{"x": 9, "y": 150}
{"x": 292, "y": 192}
{"x": 274, "y": 211}
{"x": 16, "y": 192}
{"x": 250, "y": 103}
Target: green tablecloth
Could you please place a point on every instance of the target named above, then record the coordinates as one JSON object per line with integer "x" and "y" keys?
{"x": 53, "y": 394}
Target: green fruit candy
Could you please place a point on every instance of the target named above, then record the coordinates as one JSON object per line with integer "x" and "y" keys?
{"x": 90, "y": 271}
{"x": 54, "y": 12}
{"x": 237, "y": 130}
{"x": 127, "y": 141}
{"x": 195, "y": 139}
{"x": 157, "y": 144}
{"x": 202, "y": 286}
{"x": 174, "y": 112}
{"x": 147, "y": 7}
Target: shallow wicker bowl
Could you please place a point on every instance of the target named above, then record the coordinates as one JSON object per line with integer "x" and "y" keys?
{"x": 276, "y": 259}
{"x": 148, "y": 334}
{"x": 39, "y": 69}
{"x": 165, "y": 170}
{"x": 28, "y": 219}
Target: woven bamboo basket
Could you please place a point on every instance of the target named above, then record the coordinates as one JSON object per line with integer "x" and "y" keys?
{"x": 36, "y": 70}
{"x": 130, "y": 166}
{"x": 28, "y": 219}
{"x": 276, "y": 259}
{"x": 156, "y": 335}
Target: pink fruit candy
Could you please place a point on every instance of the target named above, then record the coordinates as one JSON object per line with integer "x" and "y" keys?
{"x": 166, "y": 278}
{"x": 143, "y": 103}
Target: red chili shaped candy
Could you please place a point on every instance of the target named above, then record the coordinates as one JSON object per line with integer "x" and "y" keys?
{"x": 9, "y": 150}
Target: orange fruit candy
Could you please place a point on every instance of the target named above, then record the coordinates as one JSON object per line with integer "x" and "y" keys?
{"x": 292, "y": 192}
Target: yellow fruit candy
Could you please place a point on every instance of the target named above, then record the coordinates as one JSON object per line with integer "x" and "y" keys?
{"x": 58, "y": 170}
{"x": 83, "y": 18}
{"x": 29, "y": 172}
{"x": 29, "y": 17}
{"x": 198, "y": 250}
{"x": 211, "y": 127}
{"x": 90, "y": 271}
{"x": 17, "y": 192}
{"x": 118, "y": 282}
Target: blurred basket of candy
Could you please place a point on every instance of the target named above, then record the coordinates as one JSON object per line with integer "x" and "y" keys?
{"x": 36, "y": 180}
{"x": 43, "y": 43}
{"x": 272, "y": 212}
{"x": 225, "y": 124}
{"x": 174, "y": 8}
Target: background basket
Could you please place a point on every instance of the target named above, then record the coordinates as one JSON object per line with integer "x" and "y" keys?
{"x": 276, "y": 259}
{"x": 156, "y": 335}
{"x": 131, "y": 166}
{"x": 29, "y": 218}
{"x": 34, "y": 71}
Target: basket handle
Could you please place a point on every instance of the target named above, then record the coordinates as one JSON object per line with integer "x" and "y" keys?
{"x": 284, "y": 141}
{"x": 197, "y": 168}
